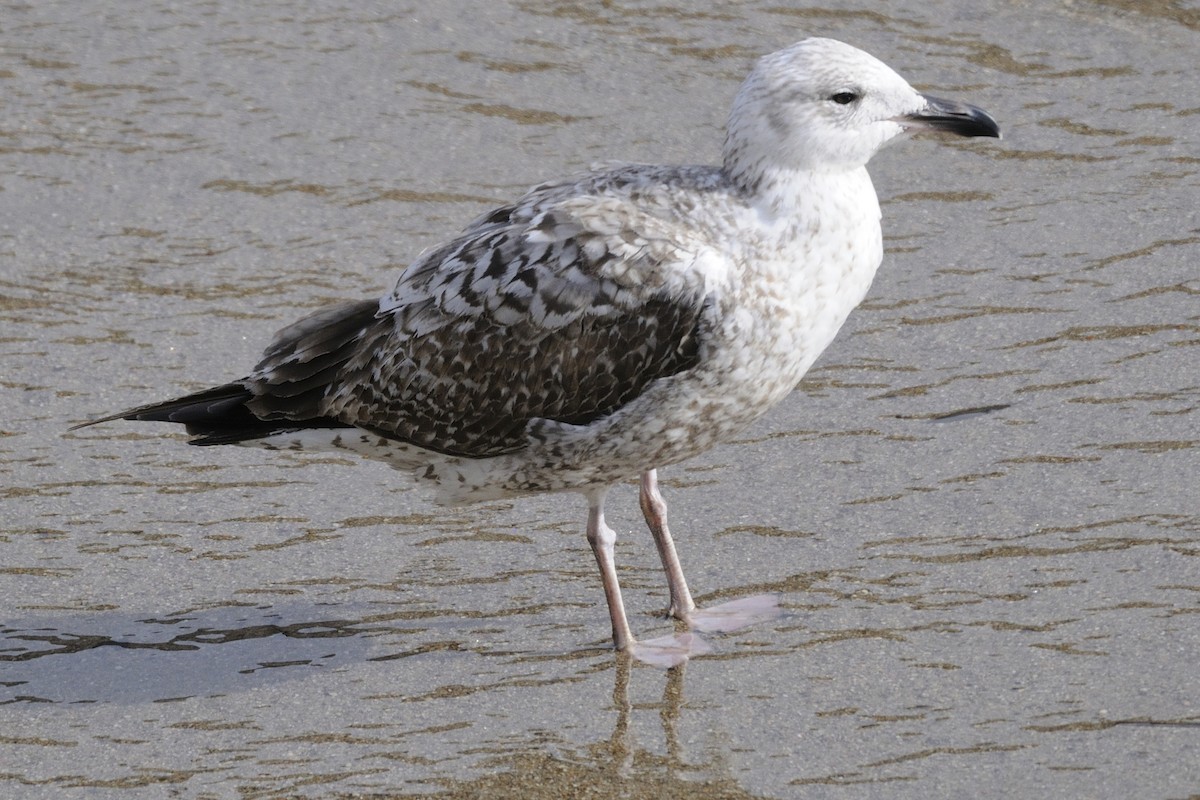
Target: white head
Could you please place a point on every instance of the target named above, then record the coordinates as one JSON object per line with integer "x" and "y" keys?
{"x": 824, "y": 105}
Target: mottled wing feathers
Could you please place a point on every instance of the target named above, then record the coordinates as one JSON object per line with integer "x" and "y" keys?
{"x": 308, "y": 359}
{"x": 563, "y": 306}
{"x": 472, "y": 387}
{"x": 536, "y": 312}
{"x": 544, "y": 265}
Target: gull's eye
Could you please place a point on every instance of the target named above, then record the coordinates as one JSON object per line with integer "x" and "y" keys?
{"x": 844, "y": 98}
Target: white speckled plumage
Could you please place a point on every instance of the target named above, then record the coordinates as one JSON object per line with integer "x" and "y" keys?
{"x": 603, "y": 326}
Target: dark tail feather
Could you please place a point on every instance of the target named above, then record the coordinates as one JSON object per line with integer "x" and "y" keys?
{"x": 214, "y": 403}
{"x": 215, "y": 416}
{"x": 292, "y": 381}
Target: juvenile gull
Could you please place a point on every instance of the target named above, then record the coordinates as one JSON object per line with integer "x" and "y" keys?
{"x": 603, "y": 326}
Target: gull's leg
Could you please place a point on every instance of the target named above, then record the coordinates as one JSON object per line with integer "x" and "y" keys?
{"x": 654, "y": 508}
{"x": 731, "y": 616}
{"x": 665, "y": 651}
{"x": 601, "y": 538}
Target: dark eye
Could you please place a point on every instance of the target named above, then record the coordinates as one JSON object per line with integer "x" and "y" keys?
{"x": 844, "y": 98}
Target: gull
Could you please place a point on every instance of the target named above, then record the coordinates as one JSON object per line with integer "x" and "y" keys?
{"x": 603, "y": 326}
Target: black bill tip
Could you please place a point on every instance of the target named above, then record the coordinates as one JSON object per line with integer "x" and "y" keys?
{"x": 951, "y": 116}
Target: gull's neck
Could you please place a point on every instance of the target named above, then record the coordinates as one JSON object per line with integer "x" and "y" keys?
{"x": 810, "y": 198}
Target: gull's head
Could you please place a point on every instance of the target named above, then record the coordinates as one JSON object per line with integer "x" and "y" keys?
{"x": 824, "y": 105}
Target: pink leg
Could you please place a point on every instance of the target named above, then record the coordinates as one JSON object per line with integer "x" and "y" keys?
{"x": 664, "y": 651}
{"x": 654, "y": 508}
{"x": 602, "y": 538}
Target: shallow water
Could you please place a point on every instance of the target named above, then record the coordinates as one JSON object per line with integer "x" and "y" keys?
{"x": 979, "y": 511}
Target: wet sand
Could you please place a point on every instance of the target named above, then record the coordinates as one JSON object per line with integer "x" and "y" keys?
{"x": 979, "y": 510}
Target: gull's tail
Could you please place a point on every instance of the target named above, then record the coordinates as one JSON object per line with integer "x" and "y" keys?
{"x": 299, "y": 366}
{"x": 215, "y": 416}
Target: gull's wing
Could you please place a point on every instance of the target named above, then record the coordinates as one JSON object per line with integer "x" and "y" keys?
{"x": 563, "y": 306}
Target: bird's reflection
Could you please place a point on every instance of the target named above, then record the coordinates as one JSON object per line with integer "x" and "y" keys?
{"x": 670, "y": 709}
{"x": 627, "y": 770}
